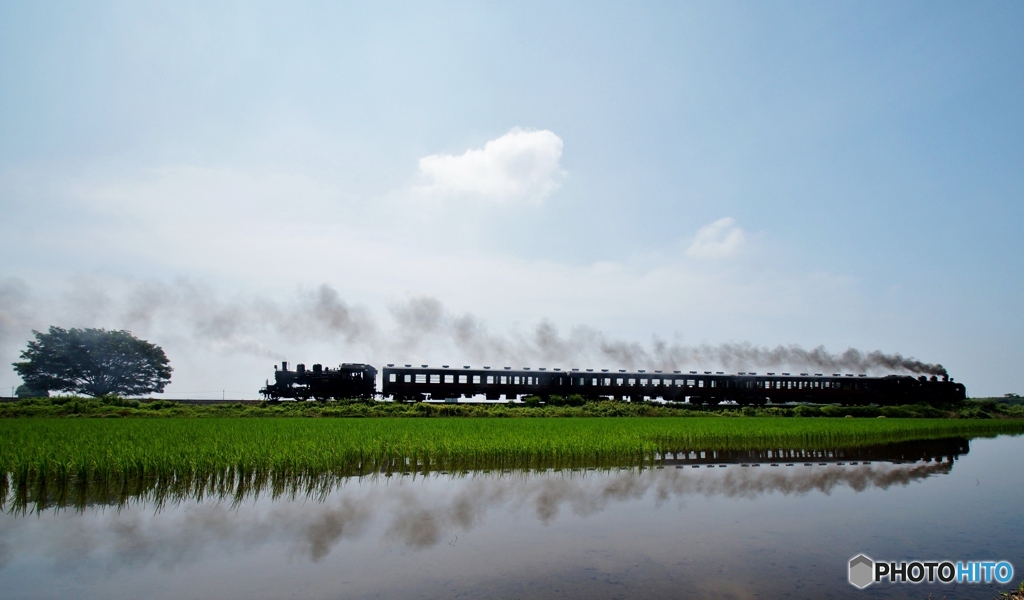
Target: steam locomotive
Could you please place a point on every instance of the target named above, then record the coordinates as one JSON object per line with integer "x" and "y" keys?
{"x": 408, "y": 384}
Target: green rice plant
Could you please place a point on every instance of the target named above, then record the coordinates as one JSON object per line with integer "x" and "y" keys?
{"x": 75, "y": 462}
{"x": 119, "y": 448}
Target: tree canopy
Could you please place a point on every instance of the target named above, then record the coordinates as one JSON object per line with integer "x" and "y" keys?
{"x": 95, "y": 362}
{"x": 25, "y": 391}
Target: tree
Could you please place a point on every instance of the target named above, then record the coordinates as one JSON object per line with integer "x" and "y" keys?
{"x": 95, "y": 362}
{"x": 25, "y": 391}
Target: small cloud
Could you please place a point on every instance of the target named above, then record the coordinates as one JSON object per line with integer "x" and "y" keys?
{"x": 719, "y": 239}
{"x": 520, "y": 165}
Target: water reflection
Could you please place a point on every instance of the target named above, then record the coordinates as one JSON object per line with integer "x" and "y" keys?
{"x": 331, "y": 509}
{"x": 739, "y": 531}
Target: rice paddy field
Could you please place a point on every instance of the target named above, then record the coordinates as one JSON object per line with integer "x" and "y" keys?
{"x": 118, "y": 449}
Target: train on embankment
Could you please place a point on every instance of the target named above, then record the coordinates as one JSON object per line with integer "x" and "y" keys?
{"x": 445, "y": 383}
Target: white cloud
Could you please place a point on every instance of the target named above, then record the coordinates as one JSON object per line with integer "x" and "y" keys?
{"x": 719, "y": 239}
{"x": 520, "y": 165}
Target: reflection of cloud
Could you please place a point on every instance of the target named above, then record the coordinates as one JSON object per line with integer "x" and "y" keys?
{"x": 520, "y": 165}
{"x": 415, "y": 515}
{"x": 719, "y": 239}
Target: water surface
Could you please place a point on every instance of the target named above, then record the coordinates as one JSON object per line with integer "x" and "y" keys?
{"x": 725, "y": 525}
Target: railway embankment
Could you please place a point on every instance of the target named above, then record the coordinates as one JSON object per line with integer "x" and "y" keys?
{"x": 113, "y": 407}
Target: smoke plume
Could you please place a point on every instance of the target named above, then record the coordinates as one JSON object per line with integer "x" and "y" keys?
{"x": 424, "y": 319}
{"x": 418, "y": 328}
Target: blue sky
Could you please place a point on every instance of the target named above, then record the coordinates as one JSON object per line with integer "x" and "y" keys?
{"x": 837, "y": 174}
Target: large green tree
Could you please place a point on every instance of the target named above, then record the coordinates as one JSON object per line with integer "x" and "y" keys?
{"x": 95, "y": 362}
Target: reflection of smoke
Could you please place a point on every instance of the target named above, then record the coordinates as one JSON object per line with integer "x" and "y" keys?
{"x": 252, "y": 324}
{"x": 422, "y": 515}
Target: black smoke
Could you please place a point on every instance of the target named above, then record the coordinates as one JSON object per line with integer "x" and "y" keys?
{"x": 424, "y": 319}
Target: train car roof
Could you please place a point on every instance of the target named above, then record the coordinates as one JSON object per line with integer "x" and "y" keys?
{"x": 636, "y": 373}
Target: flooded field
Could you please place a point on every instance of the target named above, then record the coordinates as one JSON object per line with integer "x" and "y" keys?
{"x": 715, "y": 524}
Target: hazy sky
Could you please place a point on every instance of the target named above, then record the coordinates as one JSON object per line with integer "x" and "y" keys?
{"x": 459, "y": 182}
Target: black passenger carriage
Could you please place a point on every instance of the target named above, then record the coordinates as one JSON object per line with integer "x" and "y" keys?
{"x": 423, "y": 383}
{"x": 444, "y": 383}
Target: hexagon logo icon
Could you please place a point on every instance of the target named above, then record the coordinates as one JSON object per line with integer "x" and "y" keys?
{"x": 861, "y": 571}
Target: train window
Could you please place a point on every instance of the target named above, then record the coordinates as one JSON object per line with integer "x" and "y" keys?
{"x": 515, "y": 379}
{"x": 503, "y": 379}
{"x": 392, "y": 378}
{"x": 490, "y": 379}
{"x": 406, "y": 378}
{"x": 643, "y": 382}
{"x": 619, "y": 381}
{"x": 655, "y": 382}
{"x": 435, "y": 379}
{"x": 607, "y": 380}
{"x": 593, "y": 381}
{"x": 463, "y": 379}
{"x": 700, "y": 383}
{"x": 421, "y": 379}
{"x": 690, "y": 383}
{"x": 476, "y": 379}
{"x": 449, "y": 379}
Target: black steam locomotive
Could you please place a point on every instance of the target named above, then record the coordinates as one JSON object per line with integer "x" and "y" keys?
{"x": 408, "y": 383}
{"x": 349, "y": 380}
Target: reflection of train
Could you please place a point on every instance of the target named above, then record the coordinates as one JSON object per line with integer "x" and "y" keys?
{"x": 942, "y": 451}
{"x": 410, "y": 383}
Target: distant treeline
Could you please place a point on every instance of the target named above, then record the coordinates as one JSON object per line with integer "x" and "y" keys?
{"x": 1011, "y": 399}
